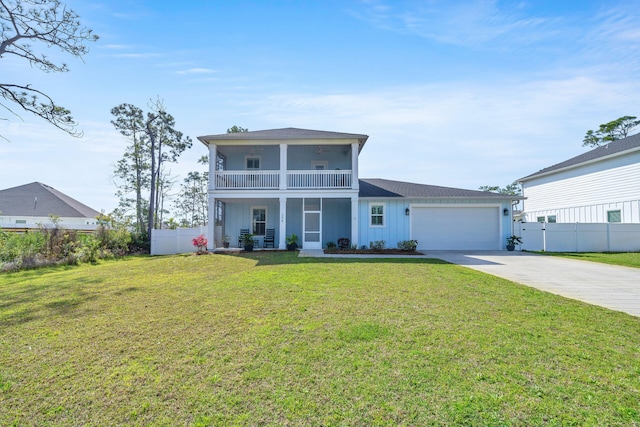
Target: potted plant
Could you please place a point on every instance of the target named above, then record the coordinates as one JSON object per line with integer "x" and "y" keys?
{"x": 512, "y": 241}
{"x": 225, "y": 241}
{"x": 247, "y": 241}
{"x": 292, "y": 242}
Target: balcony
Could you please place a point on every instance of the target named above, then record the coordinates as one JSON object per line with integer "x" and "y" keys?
{"x": 296, "y": 180}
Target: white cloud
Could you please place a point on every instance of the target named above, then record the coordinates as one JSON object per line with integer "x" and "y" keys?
{"x": 468, "y": 23}
{"x": 196, "y": 71}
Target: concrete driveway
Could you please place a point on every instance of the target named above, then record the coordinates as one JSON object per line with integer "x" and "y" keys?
{"x": 614, "y": 287}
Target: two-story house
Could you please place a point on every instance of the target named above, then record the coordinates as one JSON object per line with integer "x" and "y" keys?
{"x": 599, "y": 186}
{"x": 305, "y": 182}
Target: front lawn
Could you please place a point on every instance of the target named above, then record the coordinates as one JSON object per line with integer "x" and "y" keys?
{"x": 627, "y": 259}
{"x": 272, "y": 339}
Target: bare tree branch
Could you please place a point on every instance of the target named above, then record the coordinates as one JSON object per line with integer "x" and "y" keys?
{"x": 45, "y": 23}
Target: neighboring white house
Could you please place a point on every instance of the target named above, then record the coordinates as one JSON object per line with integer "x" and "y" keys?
{"x": 599, "y": 186}
{"x": 305, "y": 182}
{"x": 26, "y": 206}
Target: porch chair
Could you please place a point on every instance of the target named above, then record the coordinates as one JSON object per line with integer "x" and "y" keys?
{"x": 243, "y": 232}
{"x": 269, "y": 238}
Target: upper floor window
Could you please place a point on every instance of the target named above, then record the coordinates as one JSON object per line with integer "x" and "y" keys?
{"x": 614, "y": 216}
{"x": 320, "y": 165}
{"x": 551, "y": 219}
{"x": 540, "y": 219}
{"x": 253, "y": 162}
{"x": 21, "y": 221}
{"x": 376, "y": 214}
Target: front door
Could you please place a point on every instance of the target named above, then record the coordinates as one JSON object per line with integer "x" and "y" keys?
{"x": 312, "y": 223}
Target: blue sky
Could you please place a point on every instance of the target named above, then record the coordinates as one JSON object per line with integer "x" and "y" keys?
{"x": 451, "y": 93}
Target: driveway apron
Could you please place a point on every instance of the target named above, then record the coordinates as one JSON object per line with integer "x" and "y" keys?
{"x": 613, "y": 287}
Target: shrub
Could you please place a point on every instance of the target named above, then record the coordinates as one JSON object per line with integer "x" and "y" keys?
{"x": 344, "y": 243}
{"x": 200, "y": 243}
{"x": 377, "y": 245}
{"x": 331, "y": 245}
{"x": 408, "y": 245}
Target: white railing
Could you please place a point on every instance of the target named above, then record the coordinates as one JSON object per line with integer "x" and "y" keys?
{"x": 247, "y": 180}
{"x": 319, "y": 179}
{"x": 270, "y": 180}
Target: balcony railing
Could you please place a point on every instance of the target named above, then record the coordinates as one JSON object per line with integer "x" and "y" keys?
{"x": 245, "y": 180}
{"x": 319, "y": 179}
{"x": 270, "y": 180}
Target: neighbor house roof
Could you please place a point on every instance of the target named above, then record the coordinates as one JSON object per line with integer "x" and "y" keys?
{"x": 618, "y": 147}
{"x": 40, "y": 200}
{"x": 283, "y": 134}
{"x": 389, "y": 188}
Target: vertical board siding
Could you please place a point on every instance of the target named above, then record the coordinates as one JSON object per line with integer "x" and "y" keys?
{"x": 629, "y": 210}
{"x": 336, "y": 220}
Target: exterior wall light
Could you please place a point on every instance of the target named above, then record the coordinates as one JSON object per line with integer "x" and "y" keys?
{"x": 407, "y": 211}
{"x": 505, "y": 212}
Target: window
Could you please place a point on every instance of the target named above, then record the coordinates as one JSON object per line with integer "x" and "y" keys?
{"x": 320, "y": 165}
{"x": 540, "y": 219}
{"x": 258, "y": 221}
{"x": 21, "y": 221}
{"x": 253, "y": 162}
{"x": 376, "y": 212}
{"x": 551, "y": 219}
{"x": 614, "y": 216}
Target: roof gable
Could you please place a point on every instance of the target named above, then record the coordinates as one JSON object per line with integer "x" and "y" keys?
{"x": 618, "y": 147}
{"x": 40, "y": 200}
{"x": 384, "y": 188}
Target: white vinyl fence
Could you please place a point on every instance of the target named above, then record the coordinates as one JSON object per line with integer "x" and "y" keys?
{"x": 579, "y": 237}
{"x": 180, "y": 240}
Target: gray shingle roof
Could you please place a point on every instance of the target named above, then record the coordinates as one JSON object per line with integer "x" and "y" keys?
{"x": 616, "y": 147}
{"x": 387, "y": 188}
{"x": 37, "y": 199}
{"x": 284, "y": 134}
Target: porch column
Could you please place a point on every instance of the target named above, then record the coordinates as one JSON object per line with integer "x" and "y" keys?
{"x": 283, "y": 167}
{"x": 354, "y": 166}
{"x": 354, "y": 220}
{"x": 211, "y": 223}
{"x": 282, "y": 234}
{"x": 213, "y": 154}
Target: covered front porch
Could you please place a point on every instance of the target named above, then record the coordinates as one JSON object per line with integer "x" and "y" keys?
{"x": 314, "y": 220}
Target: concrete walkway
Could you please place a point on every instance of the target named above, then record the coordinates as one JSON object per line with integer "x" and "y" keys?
{"x": 610, "y": 286}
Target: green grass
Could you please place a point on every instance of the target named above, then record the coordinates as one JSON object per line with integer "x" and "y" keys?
{"x": 627, "y": 259}
{"x": 271, "y": 339}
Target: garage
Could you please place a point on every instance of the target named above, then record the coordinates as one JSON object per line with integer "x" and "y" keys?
{"x": 470, "y": 227}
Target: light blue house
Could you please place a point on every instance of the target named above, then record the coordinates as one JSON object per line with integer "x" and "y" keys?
{"x": 305, "y": 182}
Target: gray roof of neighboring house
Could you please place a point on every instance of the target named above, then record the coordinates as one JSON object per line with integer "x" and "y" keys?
{"x": 37, "y": 199}
{"x": 387, "y": 188}
{"x": 616, "y": 147}
{"x": 283, "y": 134}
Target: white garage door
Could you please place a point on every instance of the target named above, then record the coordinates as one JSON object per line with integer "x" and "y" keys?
{"x": 456, "y": 228}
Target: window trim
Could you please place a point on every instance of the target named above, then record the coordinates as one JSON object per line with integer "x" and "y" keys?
{"x": 619, "y": 211}
{"x": 253, "y": 223}
{"x": 383, "y": 215}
